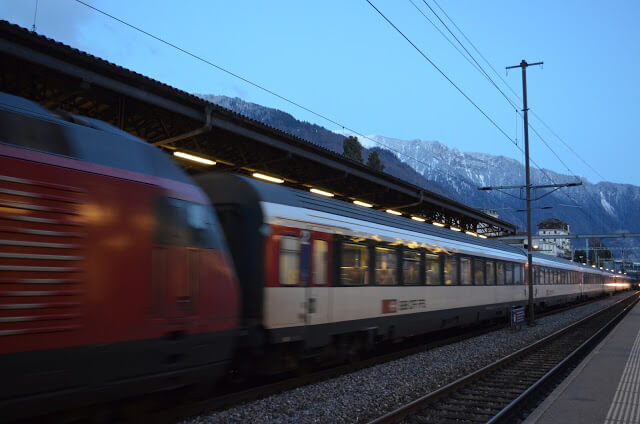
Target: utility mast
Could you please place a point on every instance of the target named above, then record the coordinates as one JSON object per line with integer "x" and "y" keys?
{"x": 528, "y": 187}
{"x": 524, "y": 65}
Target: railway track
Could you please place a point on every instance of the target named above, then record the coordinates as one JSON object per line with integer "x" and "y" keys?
{"x": 191, "y": 408}
{"x": 172, "y": 407}
{"x": 506, "y": 390}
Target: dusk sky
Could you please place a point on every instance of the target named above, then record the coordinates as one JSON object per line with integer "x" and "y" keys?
{"x": 342, "y": 60}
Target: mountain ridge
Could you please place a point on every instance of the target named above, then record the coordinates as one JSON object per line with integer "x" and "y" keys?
{"x": 603, "y": 206}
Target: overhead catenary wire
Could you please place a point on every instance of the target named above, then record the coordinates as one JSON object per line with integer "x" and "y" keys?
{"x": 442, "y": 73}
{"x": 246, "y": 80}
{"x": 481, "y": 69}
{"x": 510, "y": 101}
{"x": 514, "y": 92}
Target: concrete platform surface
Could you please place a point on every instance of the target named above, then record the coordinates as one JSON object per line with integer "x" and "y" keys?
{"x": 605, "y": 387}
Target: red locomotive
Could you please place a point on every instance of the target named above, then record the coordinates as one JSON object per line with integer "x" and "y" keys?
{"x": 114, "y": 274}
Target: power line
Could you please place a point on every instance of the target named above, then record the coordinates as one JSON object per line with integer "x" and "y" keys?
{"x": 486, "y": 75}
{"x": 566, "y": 145}
{"x": 444, "y": 35}
{"x": 441, "y": 72}
{"x": 516, "y": 94}
{"x": 235, "y": 75}
{"x": 512, "y": 104}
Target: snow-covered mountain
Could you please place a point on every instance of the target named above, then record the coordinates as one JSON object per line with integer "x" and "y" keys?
{"x": 604, "y": 206}
{"x": 590, "y": 208}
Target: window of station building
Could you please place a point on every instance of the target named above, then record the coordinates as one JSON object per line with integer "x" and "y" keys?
{"x": 354, "y": 270}
{"x": 386, "y": 266}
{"x": 465, "y": 271}
{"x": 320, "y": 261}
{"x": 450, "y": 270}
{"x": 478, "y": 272}
{"x": 289, "y": 260}
{"x": 517, "y": 274}
{"x": 432, "y": 269}
{"x": 490, "y": 268}
{"x": 500, "y": 273}
{"x": 411, "y": 267}
{"x": 508, "y": 273}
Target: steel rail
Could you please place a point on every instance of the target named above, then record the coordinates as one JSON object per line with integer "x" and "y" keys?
{"x": 420, "y": 403}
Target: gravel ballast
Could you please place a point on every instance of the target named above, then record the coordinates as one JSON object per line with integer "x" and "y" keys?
{"x": 369, "y": 393}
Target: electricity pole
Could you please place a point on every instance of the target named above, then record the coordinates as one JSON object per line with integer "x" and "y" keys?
{"x": 524, "y": 65}
{"x": 528, "y": 185}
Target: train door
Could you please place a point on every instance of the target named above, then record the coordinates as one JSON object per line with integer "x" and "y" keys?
{"x": 174, "y": 262}
{"x": 317, "y": 293}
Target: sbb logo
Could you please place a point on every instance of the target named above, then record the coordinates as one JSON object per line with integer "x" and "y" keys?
{"x": 389, "y": 306}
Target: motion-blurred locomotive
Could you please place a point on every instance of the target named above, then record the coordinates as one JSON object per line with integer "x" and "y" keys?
{"x": 120, "y": 275}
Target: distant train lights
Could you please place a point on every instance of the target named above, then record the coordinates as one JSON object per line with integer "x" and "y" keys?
{"x": 482, "y": 236}
{"x": 417, "y": 218}
{"x": 438, "y": 224}
{"x": 194, "y": 158}
{"x": 363, "y": 204}
{"x": 471, "y": 233}
{"x": 321, "y": 192}
{"x": 455, "y": 229}
{"x": 267, "y": 178}
{"x": 392, "y": 212}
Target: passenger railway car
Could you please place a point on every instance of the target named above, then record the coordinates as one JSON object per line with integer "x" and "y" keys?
{"x": 114, "y": 276}
{"x": 322, "y": 275}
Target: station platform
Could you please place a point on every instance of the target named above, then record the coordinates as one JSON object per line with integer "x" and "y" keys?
{"x": 605, "y": 387}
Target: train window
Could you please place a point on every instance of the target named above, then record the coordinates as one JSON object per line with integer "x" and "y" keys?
{"x": 25, "y": 131}
{"x": 508, "y": 273}
{"x": 411, "y": 267}
{"x": 490, "y": 268}
{"x": 112, "y": 150}
{"x": 354, "y": 270}
{"x": 320, "y": 261}
{"x": 517, "y": 274}
{"x": 500, "y": 273}
{"x": 289, "y": 260}
{"x": 432, "y": 269}
{"x": 182, "y": 223}
{"x": 386, "y": 272}
{"x": 465, "y": 271}
{"x": 450, "y": 270}
{"x": 203, "y": 225}
{"x": 478, "y": 272}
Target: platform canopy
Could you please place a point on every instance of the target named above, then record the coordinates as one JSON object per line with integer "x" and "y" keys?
{"x": 61, "y": 77}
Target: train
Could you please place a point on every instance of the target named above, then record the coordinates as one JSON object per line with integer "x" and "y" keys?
{"x": 121, "y": 275}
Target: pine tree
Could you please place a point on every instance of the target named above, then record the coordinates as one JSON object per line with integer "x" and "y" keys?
{"x": 373, "y": 161}
{"x": 352, "y": 149}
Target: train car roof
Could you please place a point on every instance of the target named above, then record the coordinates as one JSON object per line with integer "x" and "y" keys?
{"x": 274, "y": 193}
